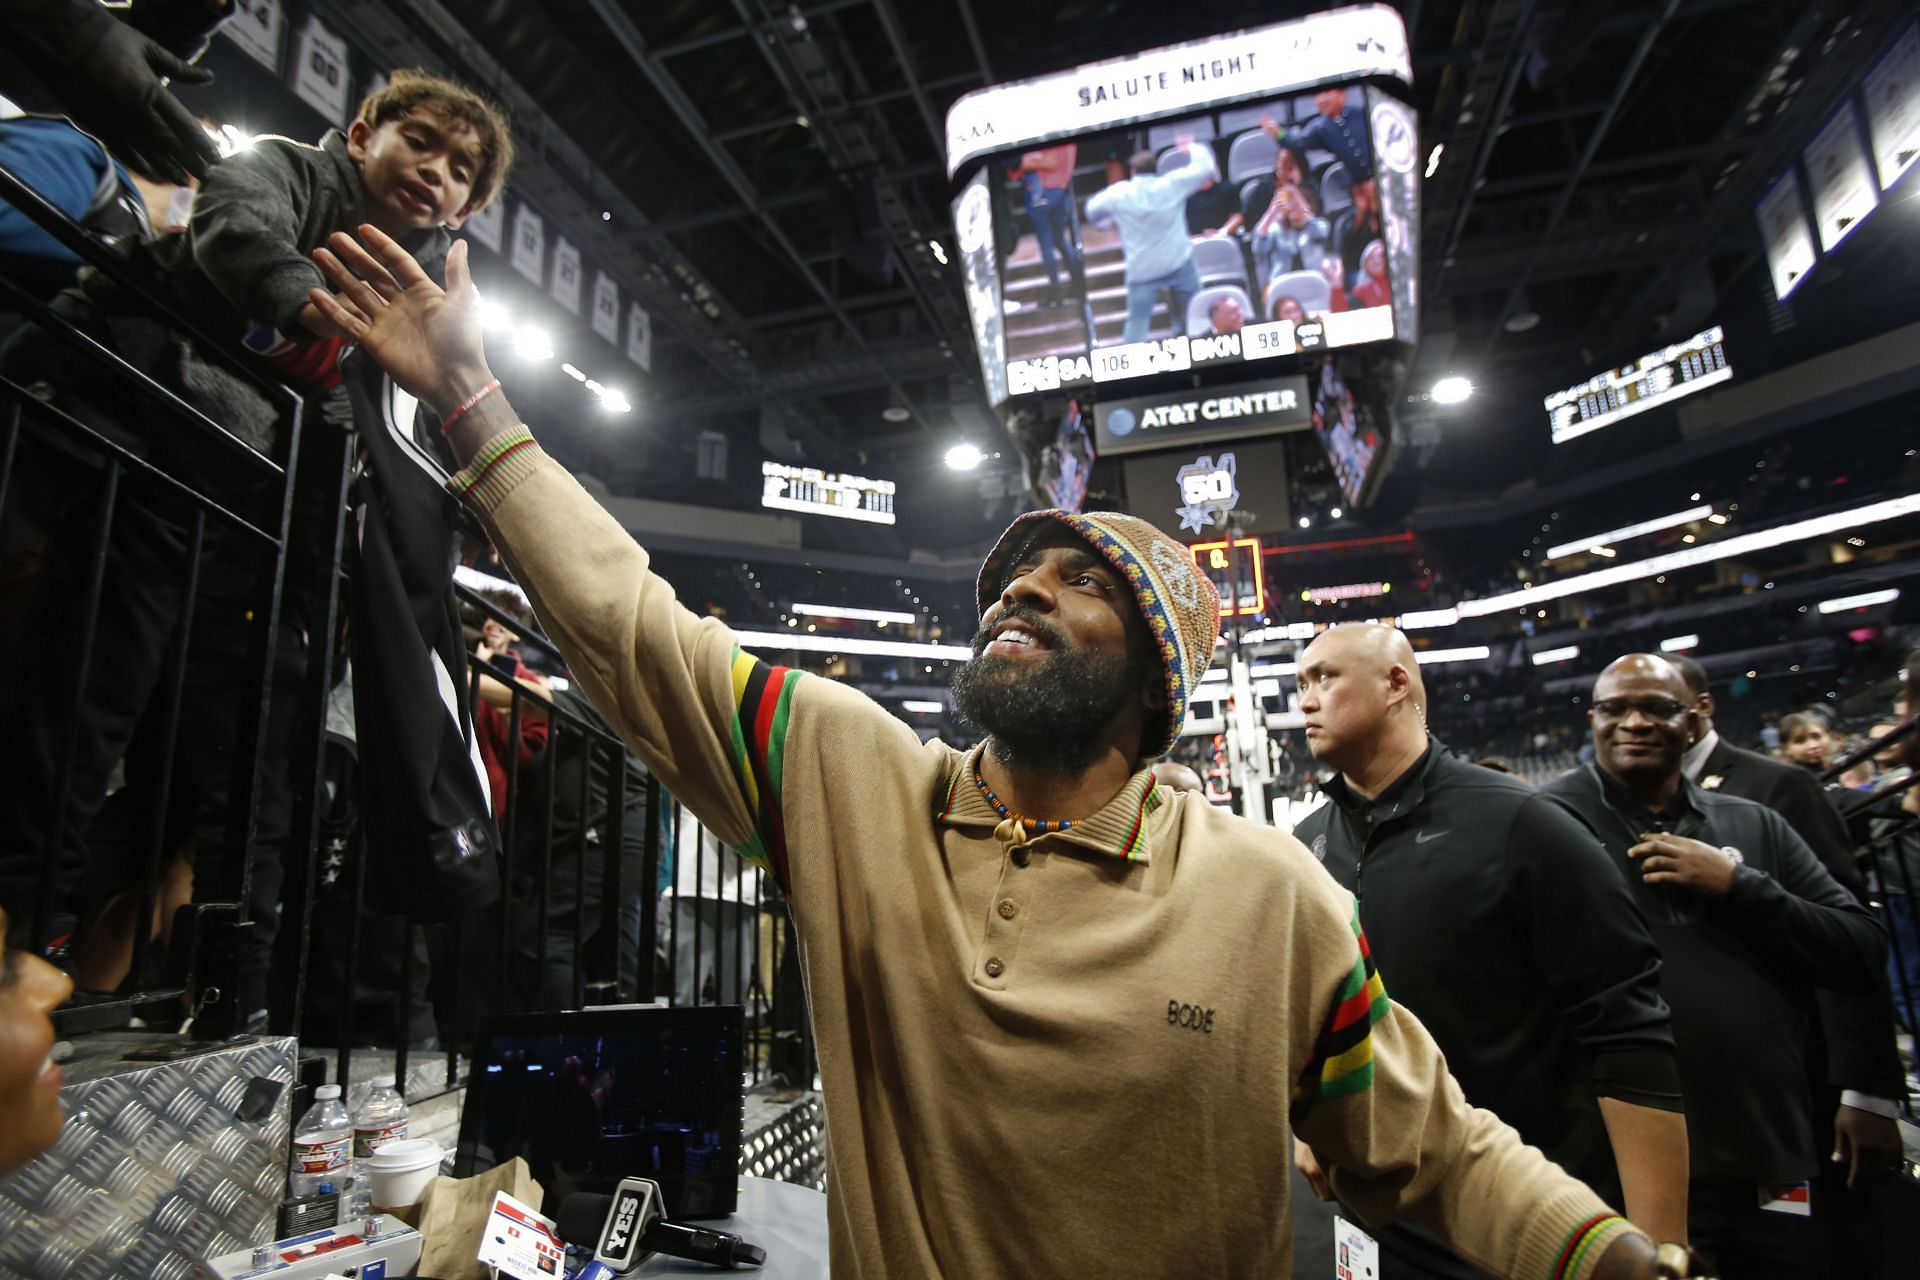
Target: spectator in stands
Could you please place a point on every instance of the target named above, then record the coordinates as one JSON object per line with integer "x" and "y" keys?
{"x": 1856, "y": 1082}
{"x": 493, "y": 710}
{"x": 1291, "y": 236}
{"x": 1805, "y": 739}
{"x": 913, "y": 869}
{"x": 1465, "y": 872}
{"x": 1149, "y": 210}
{"x": 1341, "y": 128}
{"x": 1257, "y": 195}
{"x": 1748, "y": 923}
{"x": 30, "y": 1115}
{"x": 1336, "y": 275}
{"x": 1287, "y": 307}
{"x": 1373, "y": 289}
{"x": 1046, "y": 179}
{"x": 112, "y": 75}
{"x": 1226, "y": 315}
{"x": 1356, "y": 228}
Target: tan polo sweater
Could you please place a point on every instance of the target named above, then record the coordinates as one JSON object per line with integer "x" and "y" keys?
{"x": 1080, "y": 1057}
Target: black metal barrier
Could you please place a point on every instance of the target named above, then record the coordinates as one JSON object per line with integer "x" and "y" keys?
{"x": 173, "y": 668}
{"x": 1889, "y": 856}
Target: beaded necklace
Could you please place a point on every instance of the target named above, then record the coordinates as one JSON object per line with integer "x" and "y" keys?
{"x": 1013, "y": 828}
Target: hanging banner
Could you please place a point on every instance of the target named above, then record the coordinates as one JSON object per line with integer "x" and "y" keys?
{"x": 1892, "y": 91}
{"x": 320, "y": 71}
{"x": 566, "y": 274}
{"x": 606, "y": 307}
{"x": 640, "y": 337}
{"x": 529, "y": 243}
{"x": 256, "y": 27}
{"x": 1786, "y": 234}
{"x": 489, "y": 224}
{"x": 1841, "y": 179}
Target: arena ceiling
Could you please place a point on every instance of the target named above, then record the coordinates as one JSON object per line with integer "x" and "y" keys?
{"x": 773, "y": 173}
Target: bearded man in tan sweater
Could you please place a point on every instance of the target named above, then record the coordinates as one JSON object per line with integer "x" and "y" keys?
{"x": 1067, "y": 1019}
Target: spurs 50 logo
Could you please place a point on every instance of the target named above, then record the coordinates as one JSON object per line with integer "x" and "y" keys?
{"x": 1190, "y": 1016}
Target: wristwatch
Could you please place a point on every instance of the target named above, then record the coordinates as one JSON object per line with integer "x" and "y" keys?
{"x": 1733, "y": 855}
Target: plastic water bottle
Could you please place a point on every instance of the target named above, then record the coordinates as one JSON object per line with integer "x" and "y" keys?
{"x": 322, "y": 1144}
{"x": 382, "y": 1118}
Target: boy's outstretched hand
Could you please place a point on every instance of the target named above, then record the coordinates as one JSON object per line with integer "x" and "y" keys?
{"x": 426, "y": 337}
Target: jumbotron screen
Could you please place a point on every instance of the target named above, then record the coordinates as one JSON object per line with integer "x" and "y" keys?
{"x": 1239, "y": 205}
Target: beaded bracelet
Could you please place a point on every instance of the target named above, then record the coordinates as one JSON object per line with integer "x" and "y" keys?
{"x": 446, "y": 423}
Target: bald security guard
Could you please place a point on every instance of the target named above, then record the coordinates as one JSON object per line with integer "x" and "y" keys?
{"x": 1500, "y": 921}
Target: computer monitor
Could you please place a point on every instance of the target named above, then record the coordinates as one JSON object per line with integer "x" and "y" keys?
{"x": 592, "y": 1096}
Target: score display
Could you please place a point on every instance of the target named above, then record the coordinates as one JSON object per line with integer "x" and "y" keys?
{"x": 1677, "y": 370}
{"x": 1193, "y": 209}
{"x": 812, "y": 491}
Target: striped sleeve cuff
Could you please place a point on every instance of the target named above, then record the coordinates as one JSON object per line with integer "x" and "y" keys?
{"x": 1586, "y": 1244}
{"x": 501, "y": 464}
{"x": 1342, "y": 1061}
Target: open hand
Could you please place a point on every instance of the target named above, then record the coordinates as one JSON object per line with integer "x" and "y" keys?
{"x": 426, "y": 337}
{"x": 1685, "y": 864}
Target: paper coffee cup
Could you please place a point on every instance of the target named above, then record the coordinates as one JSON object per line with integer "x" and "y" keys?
{"x": 400, "y": 1171}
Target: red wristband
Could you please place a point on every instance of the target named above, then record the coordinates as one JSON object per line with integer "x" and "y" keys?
{"x": 446, "y": 423}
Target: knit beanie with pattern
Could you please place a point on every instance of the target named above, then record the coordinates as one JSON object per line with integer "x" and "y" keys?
{"x": 1179, "y": 603}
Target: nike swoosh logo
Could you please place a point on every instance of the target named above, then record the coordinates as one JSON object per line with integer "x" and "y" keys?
{"x": 1421, "y": 837}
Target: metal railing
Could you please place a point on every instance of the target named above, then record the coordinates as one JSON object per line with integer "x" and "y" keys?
{"x": 116, "y": 500}
{"x": 1888, "y": 854}
{"x": 142, "y": 492}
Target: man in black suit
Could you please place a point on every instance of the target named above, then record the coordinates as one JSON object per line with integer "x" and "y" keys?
{"x": 1748, "y": 924}
{"x": 1856, "y": 1097}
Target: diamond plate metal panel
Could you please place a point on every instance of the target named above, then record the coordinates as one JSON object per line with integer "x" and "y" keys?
{"x": 152, "y": 1168}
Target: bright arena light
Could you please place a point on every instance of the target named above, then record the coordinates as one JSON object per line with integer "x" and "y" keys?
{"x": 1679, "y": 644}
{"x": 1866, "y": 599}
{"x": 1467, "y": 653}
{"x": 964, "y": 457}
{"x": 1723, "y": 549}
{"x": 1546, "y": 657}
{"x": 922, "y": 707}
{"x": 494, "y": 317}
{"x": 844, "y": 644}
{"x": 1452, "y": 389}
{"x": 533, "y": 343}
{"x": 853, "y": 614}
{"x": 1625, "y": 532}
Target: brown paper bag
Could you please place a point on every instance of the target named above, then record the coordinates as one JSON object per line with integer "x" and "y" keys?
{"x": 453, "y": 1216}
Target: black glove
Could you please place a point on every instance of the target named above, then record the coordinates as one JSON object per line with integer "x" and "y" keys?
{"x": 182, "y": 27}
{"x": 112, "y": 80}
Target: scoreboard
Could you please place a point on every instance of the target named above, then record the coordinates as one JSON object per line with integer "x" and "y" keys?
{"x": 825, "y": 493}
{"x": 1655, "y": 378}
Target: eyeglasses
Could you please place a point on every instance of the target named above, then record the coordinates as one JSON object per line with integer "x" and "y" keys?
{"x": 1651, "y": 708}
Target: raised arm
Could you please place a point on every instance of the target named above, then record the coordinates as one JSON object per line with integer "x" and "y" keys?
{"x": 714, "y": 723}
{"x": 112, "y": 78}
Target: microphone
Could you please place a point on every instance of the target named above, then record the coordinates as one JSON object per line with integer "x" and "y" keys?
{"x": 628, "y": 1227}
